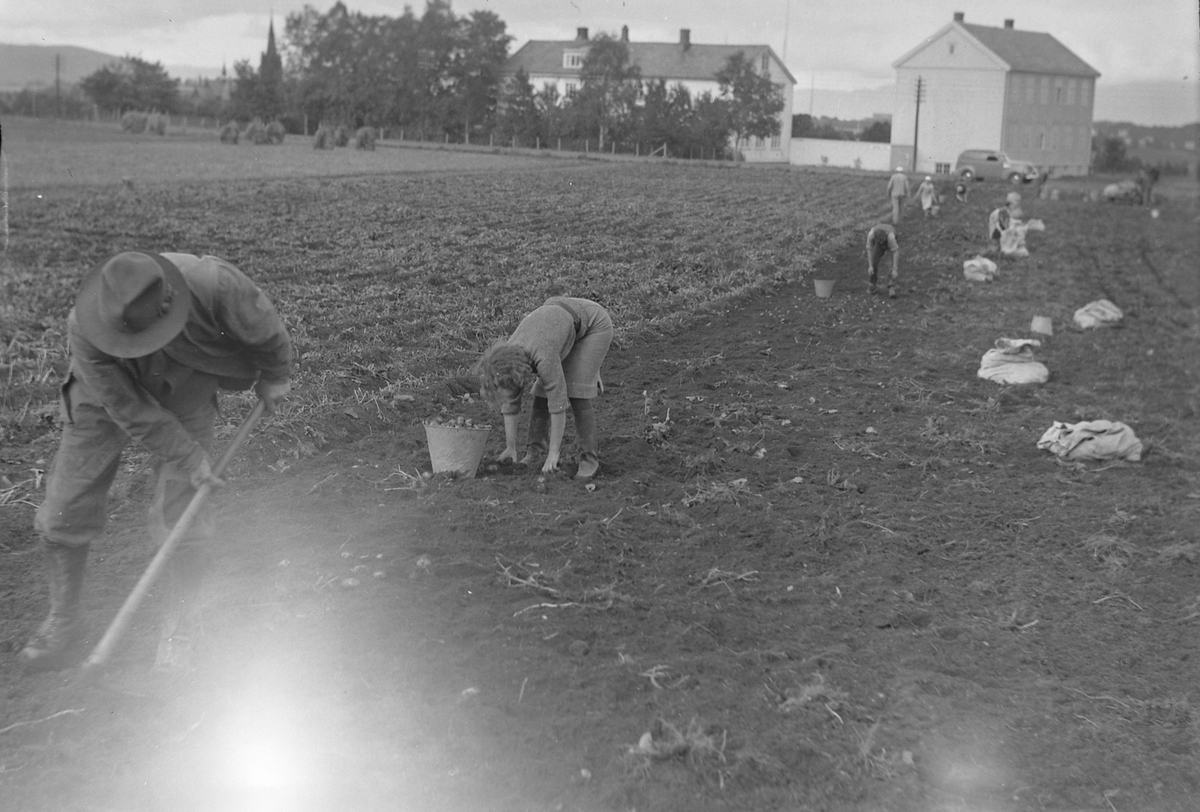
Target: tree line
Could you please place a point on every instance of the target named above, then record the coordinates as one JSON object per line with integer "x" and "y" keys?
{"x": 440, "y": 76}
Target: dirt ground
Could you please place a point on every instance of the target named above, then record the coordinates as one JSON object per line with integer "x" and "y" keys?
{"x": 824, "y": 567}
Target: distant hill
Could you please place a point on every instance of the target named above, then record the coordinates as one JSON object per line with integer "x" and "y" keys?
{"x": 23, "y": 66}
{"x": 1150, "y": 104}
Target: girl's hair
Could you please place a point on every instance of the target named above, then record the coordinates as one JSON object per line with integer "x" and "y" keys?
{"x": 504, "y": 367}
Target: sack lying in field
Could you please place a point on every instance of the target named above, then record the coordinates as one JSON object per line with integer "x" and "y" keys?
{"x": 1100, "y": 313}
{"x": 1012, "y": 361}
{"x": 1092, "y": 440}
{"x": 979, "y": 269}
{"x": 1012, "y": 239}
{"x": 1127, "y": 191}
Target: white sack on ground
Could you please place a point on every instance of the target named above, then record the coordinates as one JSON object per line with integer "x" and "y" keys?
{"x": 1100, "y": 313}
{"x": 1092, "y": 440}
{"x": 1012, "y": 361}
{"x": 1012, "y": 239}
{"x": 979, "y": 269}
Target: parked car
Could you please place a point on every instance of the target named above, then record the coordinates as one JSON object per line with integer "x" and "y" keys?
{"x": 989, "y": 164}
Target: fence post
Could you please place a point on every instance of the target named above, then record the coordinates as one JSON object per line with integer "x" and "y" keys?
{"x": 538, "y": 143}
{"x": 614, "y": 147}
{"x": 637, "y": 148}
{"x": 560, "y": 144}
{"x": 585, "y": 144}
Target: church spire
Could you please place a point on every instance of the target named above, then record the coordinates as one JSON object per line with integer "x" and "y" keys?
{"x": 271, "y": 36}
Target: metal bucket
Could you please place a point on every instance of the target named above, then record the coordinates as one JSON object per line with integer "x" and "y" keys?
{"x": 455, "y": 449}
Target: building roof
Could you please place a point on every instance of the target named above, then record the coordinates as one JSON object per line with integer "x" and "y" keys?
{"x": 1030, "y": 51}
{"x": 656, "y": 60}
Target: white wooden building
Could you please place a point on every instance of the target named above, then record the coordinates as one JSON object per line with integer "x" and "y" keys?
{"x": 693, "y": 65}
{"x": 996, "y": 88}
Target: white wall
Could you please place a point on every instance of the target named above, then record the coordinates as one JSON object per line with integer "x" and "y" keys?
{"x": 960, "y": 109}
{"x": 826, "y": 152}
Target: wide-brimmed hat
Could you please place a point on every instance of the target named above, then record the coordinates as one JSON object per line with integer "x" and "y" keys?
{"x": 132, "y": 304}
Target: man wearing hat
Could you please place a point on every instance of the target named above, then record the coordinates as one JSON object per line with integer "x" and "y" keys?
{"x": 897, "y": 190}
{"x": 152, "y": 338}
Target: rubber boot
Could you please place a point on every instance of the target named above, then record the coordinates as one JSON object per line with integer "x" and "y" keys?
{"x": 586, "y": 438}
{"x": 181, "y": 627}
{"x": 539, "y": 431}
{"x": 51, "y": 646}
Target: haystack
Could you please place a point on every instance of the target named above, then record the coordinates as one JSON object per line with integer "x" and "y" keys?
{"x": 256, "y": 132}
{"x": 323, "y": 138}
{"x": 230, "y": 133}
{"x": 134, "y": 121}
{"x": 364, "y": 138}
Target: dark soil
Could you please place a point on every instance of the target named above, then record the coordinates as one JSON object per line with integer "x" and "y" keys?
{"x": 824, "y": 567}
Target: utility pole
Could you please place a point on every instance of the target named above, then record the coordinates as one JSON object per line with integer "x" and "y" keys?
{"x": 917, "y": 121}
{"x": 787, "y": 18}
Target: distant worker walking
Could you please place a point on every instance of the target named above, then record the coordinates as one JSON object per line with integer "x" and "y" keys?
{"x": 897, "y": 190}
{"x": 928, "y": 195}
{"x": 881, "y": 239}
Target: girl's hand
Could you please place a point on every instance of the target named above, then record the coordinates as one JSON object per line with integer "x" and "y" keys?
{"x": 509, "y": 454}
{"x": 551, "y": 464}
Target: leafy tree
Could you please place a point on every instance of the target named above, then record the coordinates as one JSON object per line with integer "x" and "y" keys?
{"x": 753, "y": 100}
{"x": 519, "y": 113}
{"x": 879, "y": 132}
{"x": 342, "y": 66}
{"x": 132, "y": 83}
{"x": 802, "y": 125}
{"x": 610, "y": 88}
{"x": 475, "y": 69}
{"x": 243, "y": 98}
{"x": 1110, "y": 156}
{"x": 708, "y": 125}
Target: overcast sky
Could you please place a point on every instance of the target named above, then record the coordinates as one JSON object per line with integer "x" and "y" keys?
{"x": 834, "y": 44}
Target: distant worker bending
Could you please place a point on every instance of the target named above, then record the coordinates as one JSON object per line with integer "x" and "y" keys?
{"x": 881, "y": 239}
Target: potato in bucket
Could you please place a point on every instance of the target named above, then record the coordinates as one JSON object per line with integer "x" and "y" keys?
{"x": 456, "y": 445}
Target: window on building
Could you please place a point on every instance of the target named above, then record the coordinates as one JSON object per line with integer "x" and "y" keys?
{"x": 1072, "y": 86}
{"x": 951, "y": 44}
{"x": 1085, "y": 92}
{"x": 1042, "y": 140}
{"x": 941, "y": 169}
{"x": 571, "y": 88}
{"x": 572, "y": 59}
{"x": 1058, "y": 91}
{"x": 765, "y": 65}
{"x": 1045, "y": 95}
{"x": 774, "y": 142}
{"x": 1030, "y": 89}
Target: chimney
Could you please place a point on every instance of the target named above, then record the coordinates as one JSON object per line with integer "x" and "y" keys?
{"x": 1008, "y": 23}
{"x": 624, "y": 33}
{"x": 958, "y": 16}
{"x": 580, "y": 33}
{"x": 685, "y": 38}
